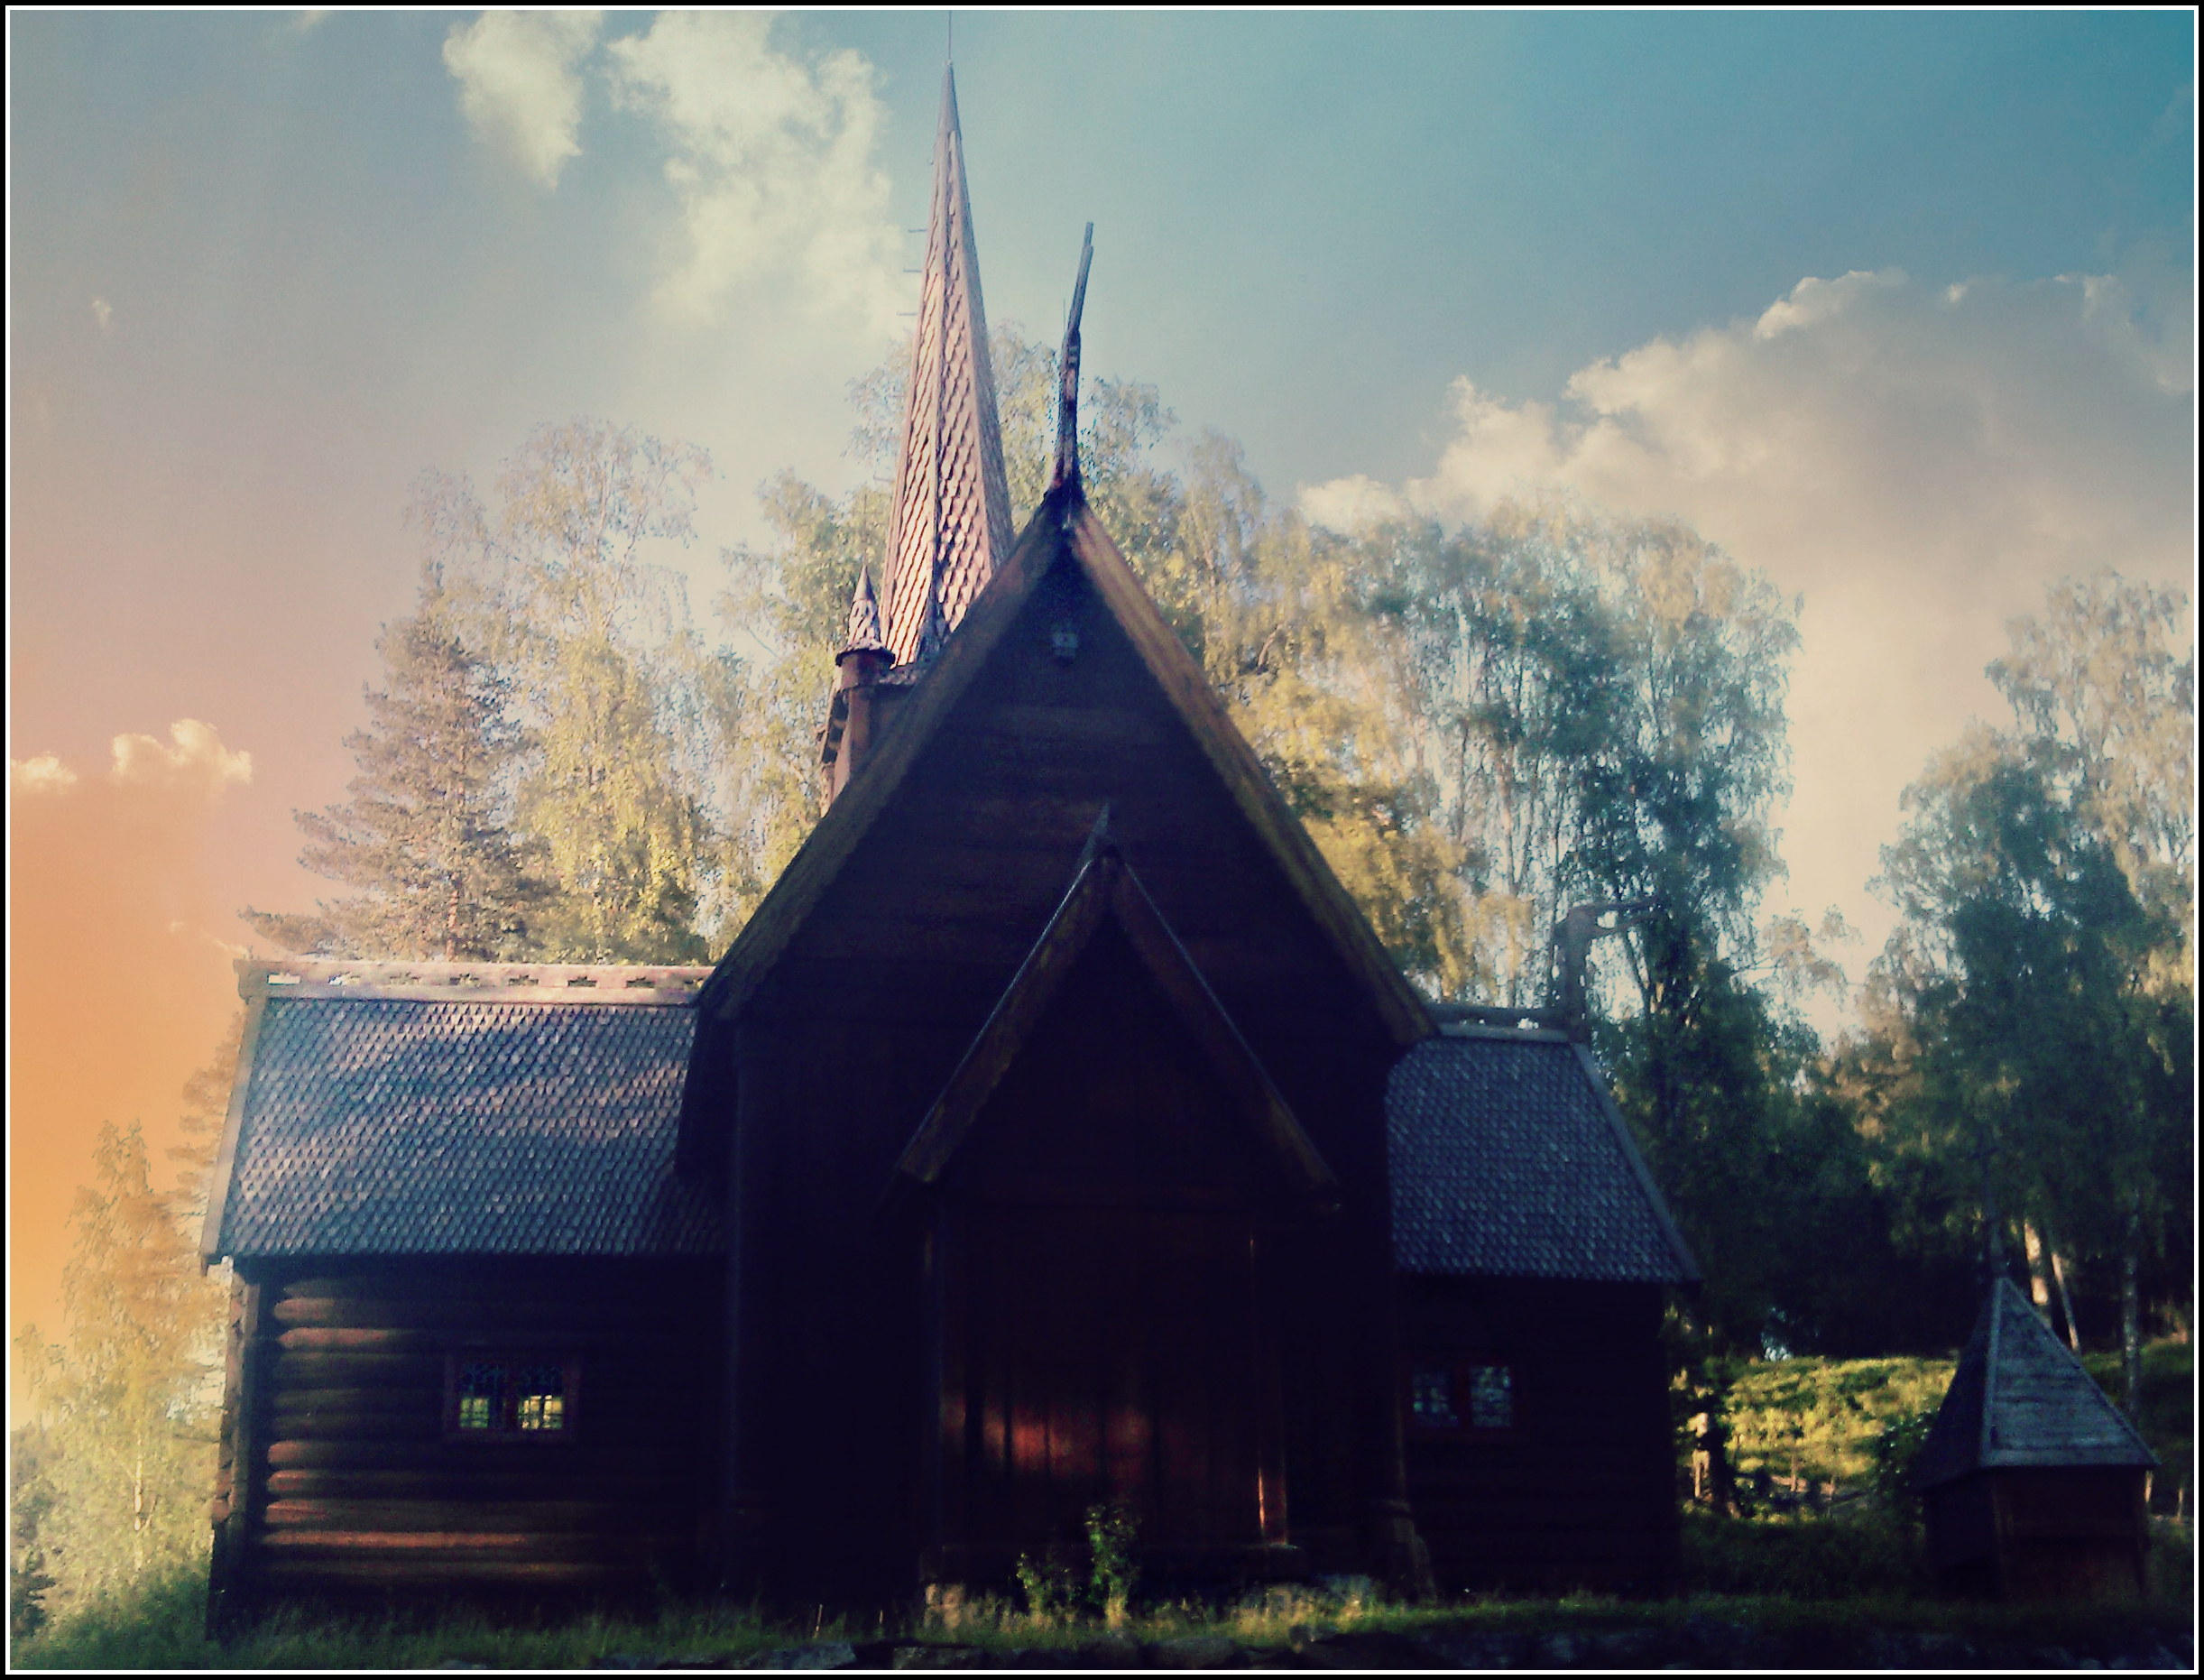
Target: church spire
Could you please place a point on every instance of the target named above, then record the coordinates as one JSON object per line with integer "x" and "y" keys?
{"x": 950, "y": 526}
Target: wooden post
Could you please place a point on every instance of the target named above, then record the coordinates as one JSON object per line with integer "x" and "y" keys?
{"x": 234, "y": 1505}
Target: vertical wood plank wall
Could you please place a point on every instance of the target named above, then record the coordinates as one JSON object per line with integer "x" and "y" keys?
{"x": 2054, "y": 1532}
{"x": 338, "y": 1481}
{"x": 1581, "y": 1492}
{"x": 844, "y": 1049}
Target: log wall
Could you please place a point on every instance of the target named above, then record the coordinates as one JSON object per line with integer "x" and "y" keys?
{"x": 336, "y": 1476}
{"x": 1581, "y": 1491}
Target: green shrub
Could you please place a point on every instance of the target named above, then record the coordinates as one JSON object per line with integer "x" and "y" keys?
{"x": 1897, "y": 1446}
{"x": 1050, "y": 1588}
{"x": 1110, "y": 1533}
{"x": 1809, "y": 1558}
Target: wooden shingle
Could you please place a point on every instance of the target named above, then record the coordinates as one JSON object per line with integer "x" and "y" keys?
{"x": 2019, "y": 1398}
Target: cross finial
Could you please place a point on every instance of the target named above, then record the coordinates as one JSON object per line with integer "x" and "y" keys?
{"x": 1066, "y": 469}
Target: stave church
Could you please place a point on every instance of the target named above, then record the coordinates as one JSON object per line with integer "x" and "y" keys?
{"x": 1056, "y": 1133}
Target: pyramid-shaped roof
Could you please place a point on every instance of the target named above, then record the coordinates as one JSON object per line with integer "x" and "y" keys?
{"x": 2021, "y": 1399}
{"x": 950, "y": 526}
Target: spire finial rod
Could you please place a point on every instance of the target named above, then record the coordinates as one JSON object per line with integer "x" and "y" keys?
{"x": 1066, "y": 469}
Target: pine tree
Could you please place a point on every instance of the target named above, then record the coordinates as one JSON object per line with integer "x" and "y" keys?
{"x": 621, "y": 702}
{"x": 423, "y": 839}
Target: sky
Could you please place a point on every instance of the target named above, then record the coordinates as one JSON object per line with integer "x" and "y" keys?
{"x": 1896, "y": 307}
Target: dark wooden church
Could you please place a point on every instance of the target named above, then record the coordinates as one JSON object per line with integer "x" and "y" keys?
{"x": 1057, "y": 1131}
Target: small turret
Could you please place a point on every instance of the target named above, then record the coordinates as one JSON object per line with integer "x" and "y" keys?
{"x": 864, "y": 660}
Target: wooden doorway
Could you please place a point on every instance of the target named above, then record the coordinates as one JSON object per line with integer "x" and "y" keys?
{"x": 1107, "y": 1354}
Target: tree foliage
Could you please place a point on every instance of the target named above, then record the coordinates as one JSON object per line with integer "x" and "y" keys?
{"x": 622, "y": 703}
{"x": 423, "y": 840}
{"x": 2035, "y": 1007}
{"x": 114, "y": 1454}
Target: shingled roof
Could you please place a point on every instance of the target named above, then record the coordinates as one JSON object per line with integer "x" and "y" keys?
{"x": 2020, "y": 1398}
{"x": 949, "y": 527}
{"x": 1509, "y": 1159}
{"x": 439, "y": 1110}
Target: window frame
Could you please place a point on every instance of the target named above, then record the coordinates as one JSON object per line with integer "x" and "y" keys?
{"x": 507, "y": 1431}
{"x": 1461, "y": 1367}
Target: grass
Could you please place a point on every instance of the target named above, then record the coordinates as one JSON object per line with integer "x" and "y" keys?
{"x": 1821, "y": 1580}
{"x": 1819, "y": 1584}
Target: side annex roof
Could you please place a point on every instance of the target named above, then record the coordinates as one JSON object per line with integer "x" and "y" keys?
{"x": 1509, "y": 1159}
{"x": 456, "y": 1109}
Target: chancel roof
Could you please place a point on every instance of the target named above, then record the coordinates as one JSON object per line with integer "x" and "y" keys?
{"x": 1509, "y": 1160}
{"x": 2019, "y": 1398}
{"x": 441, "y": 1110}
{"x": 950, "y": 525}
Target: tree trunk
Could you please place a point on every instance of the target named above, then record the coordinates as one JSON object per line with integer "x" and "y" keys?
{"x": 2066, "y": 1300}
{"x": 2131, "y": 1311}
{"x": 2038, "y": 1270}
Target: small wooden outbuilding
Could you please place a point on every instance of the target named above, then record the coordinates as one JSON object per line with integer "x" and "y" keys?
{"x": 2034, "y": 1481}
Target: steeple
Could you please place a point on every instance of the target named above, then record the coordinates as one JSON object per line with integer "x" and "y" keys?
{"x": 950, "y": 527}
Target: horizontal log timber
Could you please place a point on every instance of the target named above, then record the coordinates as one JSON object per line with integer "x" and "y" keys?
{"x": 606, "y": 1458}
{"x": 515, "y": 1480}
{"x": 331, "y": 1412}
{"x": 663, "y": 1320}
{"x": 317, "y": 1574}
{"x": 582, "y": 1339}
{"x": 631, "y": 1549}
{"x": 501, "y": 1281}
{"x": 515, "y": 1517}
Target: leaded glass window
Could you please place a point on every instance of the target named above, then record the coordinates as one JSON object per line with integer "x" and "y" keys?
{"x": 540, "y": 1397}
{"x": 481, "y": 1395}
{"x": 524, "y": 1397}
{"x": 1492, "y": 1400}
{"x": 1431, "y": 1396}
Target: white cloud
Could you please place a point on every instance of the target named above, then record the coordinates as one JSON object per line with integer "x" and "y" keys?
{"x": 196, "y": 760}
{"x": 42, "y": 774}
{"x": 102, "y": 312}
{"x": 772, "y": 159}
{"x": 1918, "y": 462}
{"x": 1351, "y": 502}
{"x": 521, "y": 85}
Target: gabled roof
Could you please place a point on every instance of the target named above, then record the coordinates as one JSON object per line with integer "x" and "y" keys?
{"x": 1065, "y": 530}
{"x": 1509, "y": 1159}
{"x": 2020, "y": 1398}
{"x": 438, "y": 1109}
{"x": 1104, "y": 890}
{"x": 950, "y": 524}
